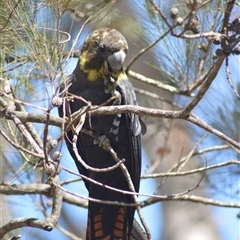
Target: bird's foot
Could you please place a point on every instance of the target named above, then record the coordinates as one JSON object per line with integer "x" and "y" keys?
{"x": 102, "y": 142}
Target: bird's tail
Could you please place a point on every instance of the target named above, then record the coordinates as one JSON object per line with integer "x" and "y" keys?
{"x": 108, "y": 222}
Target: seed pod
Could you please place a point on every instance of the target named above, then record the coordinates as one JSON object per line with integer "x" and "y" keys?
{"x": 179, "y": 21}
{"x": 236, "y": 50}
{"x": 57, "y": 156}
{"x": 236, "y": 25}
{"x": 57, "y": 101}
{"x": 232, "y": 38}
{"x": 193, "y": 25}
{"x": 194, "y": 4}
{"x": 219, "y": 52}
{"x": 217, "y": 39}
{"x": 174, "y": 12}
{"x": 230, "y": 27}
{"x": 227, "y": 49}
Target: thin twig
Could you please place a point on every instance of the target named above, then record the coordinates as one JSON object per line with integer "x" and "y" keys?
{"x": 20, "y": 147}
{"x": 202, "y": 169}
{"x": 193, "y": 119}
{"x": 144, "y": 50}
{"x": 75, "y": 148}
{"x": 10, "y": 15}
{"x": 228, "y": 76}
{"x": 189, "y": 156}
{"x": 25, "y": 133}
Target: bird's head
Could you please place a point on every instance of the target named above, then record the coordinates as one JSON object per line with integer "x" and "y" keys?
{"x": 103, "y": 54}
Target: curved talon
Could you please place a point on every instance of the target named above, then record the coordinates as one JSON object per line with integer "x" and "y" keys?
{"x": 102, "y": 141}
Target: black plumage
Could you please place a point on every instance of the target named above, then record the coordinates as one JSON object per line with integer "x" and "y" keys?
{"x": 99, "y": 78}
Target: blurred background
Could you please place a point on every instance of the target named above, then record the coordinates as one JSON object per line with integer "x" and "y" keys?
{"x": 36, "y": 38}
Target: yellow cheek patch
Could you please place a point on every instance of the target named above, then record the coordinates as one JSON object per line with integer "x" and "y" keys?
{"x": 122, "y": 76}
{"x": 83, "y": 60}
{"x": 92, "y": 75}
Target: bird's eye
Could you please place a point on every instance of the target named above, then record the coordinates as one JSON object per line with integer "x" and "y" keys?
{"x": 101, "y": 46}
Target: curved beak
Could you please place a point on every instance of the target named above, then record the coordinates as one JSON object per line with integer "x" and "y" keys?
{"x": 116, "y": 60}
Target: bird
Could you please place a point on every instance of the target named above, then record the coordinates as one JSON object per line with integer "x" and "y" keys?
{"x": 99, "y": 78}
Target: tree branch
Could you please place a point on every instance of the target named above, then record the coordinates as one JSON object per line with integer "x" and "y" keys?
{"x": 48, "y": 224}
{"x": 203, "y": 169}
{"x": 191, "y": 198}
{"x": 73, "y": 198}
{"x": 57, "y": 121}
{"x": 204, "y": 125}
